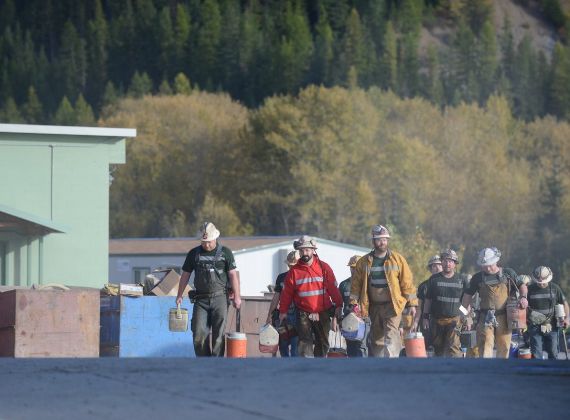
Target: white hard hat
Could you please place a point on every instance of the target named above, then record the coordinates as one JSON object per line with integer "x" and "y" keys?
{"x": 542, "y": 274}
{"x": 489, "y": 256}
{"x": 305, "y": 241}
{"x": 208, "y": 232}
{"x": 450, "y": 254}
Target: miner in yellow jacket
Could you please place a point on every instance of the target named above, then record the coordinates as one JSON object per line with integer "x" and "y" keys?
{"x": 382, "y": 286}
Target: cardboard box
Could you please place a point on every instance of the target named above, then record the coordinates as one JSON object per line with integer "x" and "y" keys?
{"x": 168, "y": 284}
{"x": 130, "y": 289}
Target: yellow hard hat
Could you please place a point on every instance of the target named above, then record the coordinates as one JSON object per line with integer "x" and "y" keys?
{"x": 353, "y": 260}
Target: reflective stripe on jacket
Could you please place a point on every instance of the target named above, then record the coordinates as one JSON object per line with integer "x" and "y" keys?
{"x": 399, "y": 278}
{"x": 310, "y": 288}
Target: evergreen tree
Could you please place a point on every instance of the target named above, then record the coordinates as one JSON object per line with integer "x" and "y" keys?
{"x": 164, "y": 88}
{"x": 476, "y": 13}
{"x": 352, "y": 48}
{"x": 83, "y": 112}
{"x": 229, "y": 47}
{"x": 205, "y": 58}
{"x": 182, "y": 85}
{"x": 507, "y": 49}
{"x": 140, "y": 85}
{"x": 97, "y": 39}
{"x": 32, "y": 109}
{"x": 166, "y": 42}
{"x": 182, "y": 31}
{"x": 146, "y": 39}
{"x": 389, "y": 60}
{"x": 487, "y": 62}
{"x": 324, "y": 53}
{"x": 433, "y": 88}
{"x": 65, "y": 115}
{"x": 560, "y": 83}
{"x": 110, "y": 96}
{"x": 10, "y": 113}
{"x": 72, "y": 61}
{"x": 296, "y": 49}
{"x": 463, "y": 65}
{"x": 123, "y": 47}
{"x": 408, "y": 76}
{"x": 523, "y": 80}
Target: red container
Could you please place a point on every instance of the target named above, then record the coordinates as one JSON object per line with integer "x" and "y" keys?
{"x": 49, "y": 323}
{"x": 236, "y": 345}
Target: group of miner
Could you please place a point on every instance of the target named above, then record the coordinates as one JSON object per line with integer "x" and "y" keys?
{"x": 308, "y": 302}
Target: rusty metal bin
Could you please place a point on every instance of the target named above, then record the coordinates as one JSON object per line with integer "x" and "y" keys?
{"x": 49, "y": 323}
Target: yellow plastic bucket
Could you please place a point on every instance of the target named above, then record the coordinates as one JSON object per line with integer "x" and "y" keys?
{"x": 178, "y": 319}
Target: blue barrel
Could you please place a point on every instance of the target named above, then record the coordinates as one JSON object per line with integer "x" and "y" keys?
{"x": 138, "y": 327}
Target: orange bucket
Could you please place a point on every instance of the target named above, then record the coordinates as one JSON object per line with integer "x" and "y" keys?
{"x": 236, "y": 344}
{"x": 525, "y": 354}
{"x": 415, "y": 345}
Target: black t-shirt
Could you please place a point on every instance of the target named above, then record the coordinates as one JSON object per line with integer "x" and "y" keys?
{"x": 279, "y": 282}
{"x": 491, "y": 279}
{"x": 211, "y": 275}
{"x": 445, "y": 294}
{"x": 543, "y": 299}
{"x": 225, "y": 263}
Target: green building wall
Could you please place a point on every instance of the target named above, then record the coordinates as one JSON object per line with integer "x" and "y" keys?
{"x": 62, "y": 178}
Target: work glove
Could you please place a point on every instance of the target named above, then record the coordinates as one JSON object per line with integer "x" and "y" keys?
{"x": 356, "y": 309}
{"x": 523, "y": 302}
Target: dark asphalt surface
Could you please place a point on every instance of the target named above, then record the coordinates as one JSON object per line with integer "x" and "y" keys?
{"x": 110, "y": 388}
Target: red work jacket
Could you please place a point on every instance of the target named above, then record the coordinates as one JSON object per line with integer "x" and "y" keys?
{"x": 311, "y": 287}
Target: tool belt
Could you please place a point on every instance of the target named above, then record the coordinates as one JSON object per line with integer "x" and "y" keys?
{"x": 446, "y": 320}
{"x": 194, "y": 295}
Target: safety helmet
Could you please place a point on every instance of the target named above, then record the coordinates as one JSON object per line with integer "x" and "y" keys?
{"x": 450, "y": 254}
{"x": 306, "y": 241}
{"x": 208, "y": 232}
{"x": 433, "y": 260}
{"x": 353, "y": 260}
{"x": 542, "y": 274}
{"x": 524, "y": 279}
{"x": 292, "y": 258}
{"x": 380, "y": 231}
{"x": 488, "y": 256}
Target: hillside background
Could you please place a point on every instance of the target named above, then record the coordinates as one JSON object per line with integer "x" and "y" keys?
{"x": 446, "y": 120}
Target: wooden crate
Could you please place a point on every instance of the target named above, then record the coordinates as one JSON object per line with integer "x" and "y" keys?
{"x": 49, "y": 323}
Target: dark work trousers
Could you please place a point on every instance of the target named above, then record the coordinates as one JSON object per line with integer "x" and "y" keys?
{"x": 359, "y": 348}
{"x": 209, "y": 313}
{"x": 313, "y": 335}
{"x": 540, "y": 342}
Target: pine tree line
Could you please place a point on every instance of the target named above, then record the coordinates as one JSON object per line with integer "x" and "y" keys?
{"x": 63, "y": 61}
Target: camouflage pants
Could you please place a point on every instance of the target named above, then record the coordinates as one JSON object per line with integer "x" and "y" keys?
{"x": 313, "y": 335}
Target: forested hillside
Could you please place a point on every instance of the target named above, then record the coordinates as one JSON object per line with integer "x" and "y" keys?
{"x": 62, "y": 61}
{"x": 335, "y": 161}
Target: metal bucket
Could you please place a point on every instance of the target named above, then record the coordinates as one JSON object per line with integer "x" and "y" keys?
{"x": 468, "y": 339}
{"x": 178, "y": 319}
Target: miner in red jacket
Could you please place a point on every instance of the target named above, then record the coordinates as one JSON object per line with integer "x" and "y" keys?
{"x": 312, "y": 286}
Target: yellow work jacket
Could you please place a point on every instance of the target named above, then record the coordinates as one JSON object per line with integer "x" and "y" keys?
{"x": 399, "y": 278}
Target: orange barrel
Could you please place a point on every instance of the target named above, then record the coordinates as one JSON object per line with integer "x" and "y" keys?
{"x": 525, "y": 354}
{"x": 236, "y": 344}
{"x": 415, "y": 345}
{"x": 516, "y": 317}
